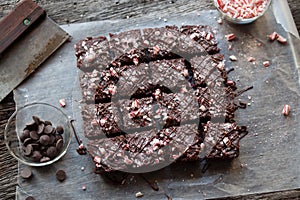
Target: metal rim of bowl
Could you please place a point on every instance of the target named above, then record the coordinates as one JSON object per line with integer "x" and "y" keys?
{"x": 32, "y": 163}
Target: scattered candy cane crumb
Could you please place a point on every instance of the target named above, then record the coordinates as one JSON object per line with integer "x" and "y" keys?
{"x": 251, "y": 59}
{"x": 83, "y": 187}
{"x": 275, "y": 36}
{"x": 230, "y": 37}
{"x": 281, "y": 39}
{"x": 233, "y": 58}
{"x": 62, "y": 103}
{"x": 139, "y": 194}
{"x": 286, "y": 110}
{"x": 220, "y": 21}
{"x": 266, "y": 63}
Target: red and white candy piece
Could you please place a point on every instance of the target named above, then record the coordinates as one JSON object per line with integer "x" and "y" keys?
{"x": 251, "y": 59}
{"x": 230, "y": 37}
{"x": 266, "y": 63}
{"x": 286, "y": 110}
{"x": 62, "y": 103}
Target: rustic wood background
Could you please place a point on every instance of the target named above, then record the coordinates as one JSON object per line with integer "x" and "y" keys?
{"x": 71, "y": 11}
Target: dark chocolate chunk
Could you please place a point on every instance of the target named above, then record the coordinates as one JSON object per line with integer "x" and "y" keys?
{"x": 30, "y": 198}
{"x": 36, "y": 156}
{"x": 52, "y": 152}
{"x": 48, "y": 129}
{"x": 34, "y": 135}
{"x": 27, "y": 141}
{"x": 57, "y": 137}
{"x": 28, "y": 150}
{"x": 24, "y": 135}
{"x": 36, "y": 120}
{"x": 48, "y": 123}
{"x": 59, "y": 144}
{"x": 41, "y": 128}
{"x": 26, "y": 173}
{"x": 61, "y": 175}
{"x": 45, "y": 140}
{"x": 59, "y": 129}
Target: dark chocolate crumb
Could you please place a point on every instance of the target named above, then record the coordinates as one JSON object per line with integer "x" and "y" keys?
{"x": 26, "y": 173}
{"x": 61, "y": 175}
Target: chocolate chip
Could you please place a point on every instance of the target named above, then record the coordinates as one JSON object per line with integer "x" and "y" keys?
{"x": 52, "y": 139}
{"x": 36, "y": 156}
{"x": 59, "y": 144}
{"x": 36, "y": 120}
{"x": 52, "y": 152}
{"x": 48, "y": 123}
{"x": 24, "y": 135}
{"x": 26, "y": 173}
{"x": 61, "y": 175}
{"x": 30, "y": 198}
{"x": 27, "y": 141}
{"x": 40, "y": 128}
{"x": 35, "y": 146}
{"x": 28, "y": 150}
{"x": 44, "y": 159}
{"x": 48, "y": 129}
{"x": 30, "y": 126}
{"x": 57, "y": 137}
{"x": 60, "y": 129}
{"x": 34, "y": 135}
{"x": 45, "y": 140}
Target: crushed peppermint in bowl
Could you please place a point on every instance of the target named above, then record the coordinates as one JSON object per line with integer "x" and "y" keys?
{"x": 242, "y": 11}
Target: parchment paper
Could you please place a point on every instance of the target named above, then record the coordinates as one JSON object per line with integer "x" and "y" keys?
{"x": 270, "y": 156}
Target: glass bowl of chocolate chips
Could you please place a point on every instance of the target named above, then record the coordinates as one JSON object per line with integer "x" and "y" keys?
{"x": 242, "y": 11}
{"x": 38, "y": 134}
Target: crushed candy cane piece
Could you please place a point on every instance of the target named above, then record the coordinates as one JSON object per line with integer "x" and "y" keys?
{"x": 266, "y": 63}
{"x": 286, "y": 110}
{"x": 281, "y": 39}
{"x": 220, "y": 21}
{"x": 233, "y": 58}
{"x": 62, "y": 103}
{"x": 230, "y": 37}
{"x": 251, "y": 59}
{"x": 273, "y": 36}
{"x": 139, "y": 194}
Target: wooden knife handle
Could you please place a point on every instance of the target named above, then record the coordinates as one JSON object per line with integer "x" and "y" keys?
{"x": 20, "y": 19}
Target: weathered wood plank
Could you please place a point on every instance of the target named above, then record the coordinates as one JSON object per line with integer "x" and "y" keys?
{"x": 70, "y": 11}
{"x": 8, "y": 165}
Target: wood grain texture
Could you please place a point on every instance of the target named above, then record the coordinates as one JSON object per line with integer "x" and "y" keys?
{"x": 12, "y": 25}
{"x": 71, "y": 11}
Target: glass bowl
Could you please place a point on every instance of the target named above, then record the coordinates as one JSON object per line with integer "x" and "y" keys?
{"x": 240, "y": 20}
{"x": 33, "y": 149}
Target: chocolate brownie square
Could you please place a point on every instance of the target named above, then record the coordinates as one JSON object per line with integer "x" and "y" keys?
{"x": 222, "y": 140}
{"x": 92, "y": 53}
{"x": 170, "y": 73}
{"x": 203, "y": 35}
{"x": 163, "y": 38}
{"x": 89, "y": 82}
{"x": 108, "y": 118}
{"x": 137, "y": 113}
{"x": 142, "y": 150}
{"x": 91, "y": 127}
{"x": 123, "y": 42}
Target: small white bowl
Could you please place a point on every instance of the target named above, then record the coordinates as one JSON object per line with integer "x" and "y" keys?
{"x": 239, "y": 20}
